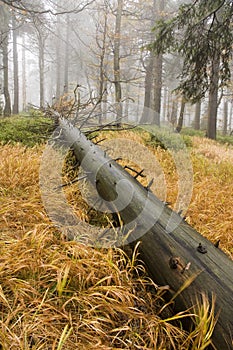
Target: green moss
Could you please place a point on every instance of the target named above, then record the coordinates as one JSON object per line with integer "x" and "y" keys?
{"x": 28, "y": 130}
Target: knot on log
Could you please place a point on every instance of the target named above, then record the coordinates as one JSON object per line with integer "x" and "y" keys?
{"x": 201, "y": 249}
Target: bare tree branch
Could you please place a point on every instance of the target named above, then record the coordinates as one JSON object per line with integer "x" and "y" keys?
{"x": 18, "y": 5}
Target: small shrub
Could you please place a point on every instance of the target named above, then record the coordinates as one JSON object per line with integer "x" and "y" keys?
{"x": 35, "y": 113}
{"x": 228, "y": 139}
{"x": 167, "y": 139}
{"x": 192, "y": 132}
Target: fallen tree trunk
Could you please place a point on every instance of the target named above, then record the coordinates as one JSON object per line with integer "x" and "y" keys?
{"x": 174, "y": 253}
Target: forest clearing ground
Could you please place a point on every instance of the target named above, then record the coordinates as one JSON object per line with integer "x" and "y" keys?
{"x": 54, "y": 292}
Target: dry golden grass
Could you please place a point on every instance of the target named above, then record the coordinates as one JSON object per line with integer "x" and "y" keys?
{"x": 210, "y": 211}
{"x": 20, "y": 203}
{"x": 213, "y": 150}
{"x": 58, "y": 295}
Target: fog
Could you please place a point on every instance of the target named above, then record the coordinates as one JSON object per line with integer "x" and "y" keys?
{"x": 99, "y": 49}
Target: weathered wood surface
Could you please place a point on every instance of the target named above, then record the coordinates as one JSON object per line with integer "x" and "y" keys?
{"x": 168, "y": 244}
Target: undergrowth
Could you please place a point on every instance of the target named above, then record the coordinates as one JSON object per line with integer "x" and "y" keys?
{"x": 62, "y": 295}
{"x": 165, "y": 138}
{"x": 27, "y": 130}
{"x": 57, "y": 294}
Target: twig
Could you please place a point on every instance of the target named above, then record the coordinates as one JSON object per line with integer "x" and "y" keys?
{"x": 71, "y": 182}
{"x": 96, "y": 143}
{"x": 103, "y": 126}
{"x": 138, "y": 173}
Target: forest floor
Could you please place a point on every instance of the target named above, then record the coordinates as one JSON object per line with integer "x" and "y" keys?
{"x": 57, "y": 294}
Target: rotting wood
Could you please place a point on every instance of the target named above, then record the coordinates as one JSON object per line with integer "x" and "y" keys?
{"x": 172, "y": 250}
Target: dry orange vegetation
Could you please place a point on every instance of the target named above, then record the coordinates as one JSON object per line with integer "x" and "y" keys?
{"x": 58, "y": 295}
{"x": 210, "y": 210}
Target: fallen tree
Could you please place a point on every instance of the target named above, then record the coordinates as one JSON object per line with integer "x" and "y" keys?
{"x": 174, "y": 253}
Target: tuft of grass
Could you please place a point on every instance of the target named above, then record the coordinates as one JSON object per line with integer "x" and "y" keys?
{"x": 64, "y": 336}
{"x": 204, "y": 320}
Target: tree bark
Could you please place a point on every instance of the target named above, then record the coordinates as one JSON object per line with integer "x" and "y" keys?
{"x": 197, "y": 117}
{"x": 105, "y": 97}
{"x": 16, "y": 68}
{"x": 213, "y": 99}
{"x": 225, "y": 117}
{"x": 24, "y": 80}
{"x": 7, "y": 107}
{"x": 157, "y": 66}
{"x": 173, "y": 116}
{"x": 148, "y": 90}
{"x": 41, "y": 38}
{"x": 66, "y": 68}
{"x": 58, "y": 60}
{"x": 153, "y": 78}
{"x": 165, "y": 102}
{"x": 174, "y": 253}
{"x": 102, "y": 66}
{"x": 41, "y": 67}
{"x": 230, "y": 117}
{"x": 117, "y": 73}
{"x": 181, "y": 116}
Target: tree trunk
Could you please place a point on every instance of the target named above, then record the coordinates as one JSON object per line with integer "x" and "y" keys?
{"x": 117, "y": 73}
{"x": 230, "y": 117}
{"x": 105, "y": 97}
{"x": 127, "y": 99}
{"x": 16, "y": 70}
{"x": 148, "y": 90}
{"x": 173, "y": 117}
{"x": 102, "y": 67}
{"x": 153, "y": 79}
{"x": 181, "y": 116}
{"x": 197, "y": 117}
{"x": 157, "y": 66}
{"x": 213, "y": 99}
{"x": 174, "y": 253}
{"x": 225, "y": 117}
{"x": 165, "y": 102}
{"x": 169, "y": 106}
{"x": 66, "y": 68}
{"x": 7, "y": 107}
{"x": 24, "y": 80}
{"x": 5, "y": 48}
{"x": 58, "y": 60}
{"x": 41, "y": 68}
